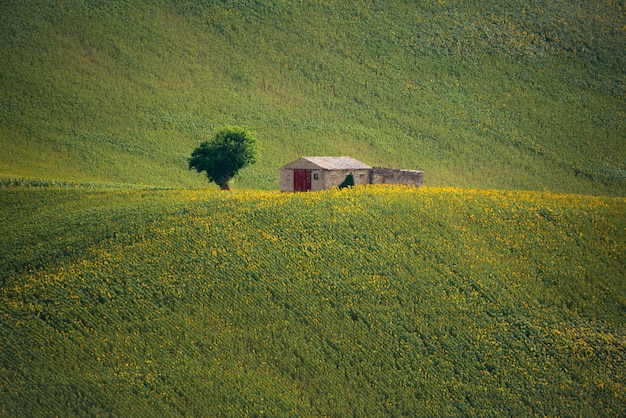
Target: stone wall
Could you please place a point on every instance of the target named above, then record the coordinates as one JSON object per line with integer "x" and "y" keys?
{"x": 396, "y": 176}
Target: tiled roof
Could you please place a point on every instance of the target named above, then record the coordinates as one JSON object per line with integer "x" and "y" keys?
{"x": 338, "y": 163}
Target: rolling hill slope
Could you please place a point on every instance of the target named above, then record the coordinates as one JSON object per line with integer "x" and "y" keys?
{"x": 130, "y": 291}
{"x": 370, "y": 301}
{"x": 490, "y": 94}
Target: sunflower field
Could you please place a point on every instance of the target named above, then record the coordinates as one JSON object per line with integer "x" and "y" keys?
{"x": 369, "y": 301}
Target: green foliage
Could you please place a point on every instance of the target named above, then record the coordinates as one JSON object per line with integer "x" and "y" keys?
{"x": 349, "y": 181}
{"x": 232, "y": 149}
{"x": 371, "y": 301}
{"x": 513, "y": 95}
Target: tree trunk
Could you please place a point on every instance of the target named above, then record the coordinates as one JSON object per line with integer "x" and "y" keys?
{"x": 224, "y": 185}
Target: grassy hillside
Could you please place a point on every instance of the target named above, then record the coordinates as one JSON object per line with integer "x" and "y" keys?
{"x": 490, "y": 94}
{"x": 371, "y": 301}
{"x": 127, "y": 290}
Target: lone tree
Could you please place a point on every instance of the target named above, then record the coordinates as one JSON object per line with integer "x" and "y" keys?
{"x": 232, "y": 149}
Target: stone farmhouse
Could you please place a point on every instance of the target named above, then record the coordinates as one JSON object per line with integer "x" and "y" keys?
{"x": 320, "y": 173}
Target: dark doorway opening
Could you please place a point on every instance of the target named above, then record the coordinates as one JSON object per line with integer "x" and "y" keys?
{"x": 301, "y": 180}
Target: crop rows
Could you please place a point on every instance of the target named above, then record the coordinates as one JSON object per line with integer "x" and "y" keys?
{"x": 374, "y": 300}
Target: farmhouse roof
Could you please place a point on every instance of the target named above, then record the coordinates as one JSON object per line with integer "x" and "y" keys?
{"x": 337, "y": 163}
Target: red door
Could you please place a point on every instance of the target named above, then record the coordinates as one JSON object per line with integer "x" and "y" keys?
{"x": 301, "y": 180}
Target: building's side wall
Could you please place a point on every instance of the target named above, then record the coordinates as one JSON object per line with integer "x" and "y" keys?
{"x": 286, "y": 180}
{"x": 317, "y": 180}
{"x": 361, "y": 177}
{"x": 395, "y": 176}
{"x": 333, "y": 178}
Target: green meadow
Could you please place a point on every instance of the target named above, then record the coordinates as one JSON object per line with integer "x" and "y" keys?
{"x": 129, "y": 286}
{"x": 491, "y": 94}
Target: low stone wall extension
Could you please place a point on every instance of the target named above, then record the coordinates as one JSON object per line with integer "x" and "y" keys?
{"x": 396, "y": 176}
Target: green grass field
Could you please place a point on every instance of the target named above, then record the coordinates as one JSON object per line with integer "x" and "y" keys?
{"x": 130, "y": 287}
{"x": 371, "y": 301}
{"x": 505, "y": 95}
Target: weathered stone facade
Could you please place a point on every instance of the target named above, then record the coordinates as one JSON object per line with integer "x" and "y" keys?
{"x": 396, "y": 176}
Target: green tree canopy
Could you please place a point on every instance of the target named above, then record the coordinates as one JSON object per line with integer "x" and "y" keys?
{"x": 221, "y": 158}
